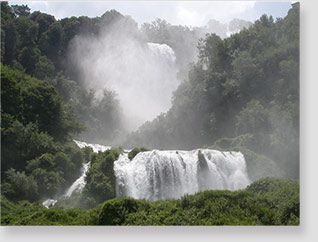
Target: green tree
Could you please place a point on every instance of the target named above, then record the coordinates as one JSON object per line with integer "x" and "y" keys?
{"x": 19, "y": 186}
{"x": 28, "y": 32}
{"x": 20, "y": 10}
{"x": 29, "y": 56}
{"x": 254, "y": 118}
{"x": 44, "y": 68}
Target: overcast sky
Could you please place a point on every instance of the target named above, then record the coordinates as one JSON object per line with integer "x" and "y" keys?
{"x": 191, "y": 13}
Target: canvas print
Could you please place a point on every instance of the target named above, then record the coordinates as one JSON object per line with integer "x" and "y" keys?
{"x": 150, "y": 113}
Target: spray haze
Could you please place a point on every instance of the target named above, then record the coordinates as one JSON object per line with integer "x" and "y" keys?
{"x": 143, "y": 75}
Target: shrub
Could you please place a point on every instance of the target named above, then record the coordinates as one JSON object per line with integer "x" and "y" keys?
{"x": 135, "y": 151}
{"x": 18, "y": 186}
{"x": 114, "y": 212}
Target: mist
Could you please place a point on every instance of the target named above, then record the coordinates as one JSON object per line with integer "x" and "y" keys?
{"x": 118, "y": 59}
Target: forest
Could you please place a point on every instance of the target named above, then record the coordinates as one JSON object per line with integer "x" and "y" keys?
{"x": 234, "y": 93}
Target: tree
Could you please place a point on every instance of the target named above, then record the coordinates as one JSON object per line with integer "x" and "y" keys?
{"x": 247, "y": 74}
{"x": 44, "y": 21}
{"x": 208, "y": 50}
{"x": 254, "y": 118}
{"x": 44, "y": 68}
{"x": 9, "y": 38}
{"x": 20, "y": 10}
{"x": 29, "y": 56}
{"x": 28, "y": 32}
{"x": 18, "y": 186}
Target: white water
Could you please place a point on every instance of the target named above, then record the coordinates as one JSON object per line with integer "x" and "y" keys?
{"x": 156, "y": 175}
{"x": 78, "y": 186}
{"x": 162, "y": 51}
{"x": 95, "y": 147}
{"x": 80, "y": 183}
{"x": 49, "y": 203}
{"x": 143, "y": 75}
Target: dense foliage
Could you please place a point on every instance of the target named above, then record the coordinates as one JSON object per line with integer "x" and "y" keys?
{"x": 42, "y": 46}
{"x": 38, "y": 159}
{"x": 246, "y": 85}
{"x": 101, "y": 180}
{"x": 43, "y": 102}
{"x": 135, "y": 151}
{"x": 265, "y": 202}
{"x": 37, "y": 44}
{"x": 26, "y": 213}
{"x": 183, "y": 39}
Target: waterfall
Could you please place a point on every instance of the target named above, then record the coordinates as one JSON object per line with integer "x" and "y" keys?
{"x": 49, "y": 203}
{"x": 95, "y": 147}
{"x": 156, "y": 175}
{"x": 143, "y": 75}
{"x": 78, "y": 186}
{"x": 80, "y": 183}
{"x": 162, "y": 51}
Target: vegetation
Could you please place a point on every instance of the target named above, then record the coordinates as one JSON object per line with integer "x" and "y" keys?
{"x": 43, "y": 104}
{"x": 26, "y": 213}
{"x": 265, "y": 202}
{"x": 39, "y": 159}
{"x": 101, "y": 180}
{"x": 37, "y": 44}
{"x": 135, "y": 151}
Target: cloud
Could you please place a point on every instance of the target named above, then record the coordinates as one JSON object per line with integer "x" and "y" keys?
{"x": 198, "y": 13}
{"x": 194, "y": 13}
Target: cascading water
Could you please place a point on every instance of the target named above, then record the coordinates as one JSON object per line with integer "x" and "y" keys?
{"x": 156, "y": 175}
{"x": 95, "y": 147}
{"x": 79, "y": 184}
{"x": 143, "y": 75}
{"x": 162, "y": 51}
{"x": 49, "y": 202}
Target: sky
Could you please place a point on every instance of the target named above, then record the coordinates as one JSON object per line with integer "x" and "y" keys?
{"x": 190, "y": 13}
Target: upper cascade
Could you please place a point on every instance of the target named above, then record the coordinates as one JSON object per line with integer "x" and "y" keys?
{"x": 95, "y": 147}
{"x": 162, "y": 51}
{"x": 156, "y": 175}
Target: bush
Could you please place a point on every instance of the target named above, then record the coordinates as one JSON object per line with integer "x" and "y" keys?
{"x": 259, "y": 166}
{"x": 50, "y": 183}
{"x": 114, "y": 212}
{"x": 18, "y": 186}
{"x": 272, "y": 206}
{"x": 100, "y": 179}
{"x": 135, "y": 151}
{"x": 269, "y": 201}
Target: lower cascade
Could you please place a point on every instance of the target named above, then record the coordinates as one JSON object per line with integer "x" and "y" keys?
{"x": 156, "y": 175}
